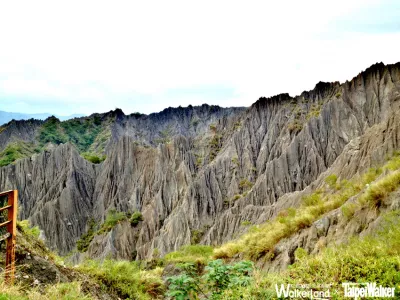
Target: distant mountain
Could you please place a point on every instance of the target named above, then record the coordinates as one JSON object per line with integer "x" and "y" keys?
{"x": 6, "y": 117}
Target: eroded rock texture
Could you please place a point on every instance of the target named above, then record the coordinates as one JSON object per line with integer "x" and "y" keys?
{"x": 197, "y": 173}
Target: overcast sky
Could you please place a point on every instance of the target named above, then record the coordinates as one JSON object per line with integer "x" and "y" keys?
{"x": 143, "y": 56}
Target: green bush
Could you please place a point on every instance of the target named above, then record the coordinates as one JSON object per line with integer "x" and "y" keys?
{"x": 348, "y": 210}
{"x": 113, "y": 218}
{"x": 218, "y": 277}
{"x": 331, "y": 180}
{"x": 26, "y": 227}
{"x": 182, "y": 287}
{"x": 136, "y": 218}
{"x": 377, "y": 192}
{"x": 93, "y": 158}
{"x": 313, "y": 199}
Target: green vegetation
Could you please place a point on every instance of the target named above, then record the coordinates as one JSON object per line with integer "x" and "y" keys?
{"x": 125, "y": 278}
{"x": 213, "y": 128}
{"x": 313, "y": 199}
{"x": 51, "y": 132}
{"x": 218, "y": 277}
{"x": 215, "y": 146}
{"x": 82, "y": 132}
{"x": 113, "y": 218}
{"x": 261, "y": 240}
{"x": 136, "y": 218}
{"x": 331, "y": 181}
{"x": 338, "y": 95}
{"x": 89, "y": 135}
{"x": 61, "y": 291}
{"x": 314, "y": 111}
{"x": 245, "y": 185}
{"x": 236, "y": 197}
{"x": 25, "y": 227}
{"x": 295, "y": 127}
{"x": 237, "y": 125}
{"x": 165, "y": 135}
{"x": 377, "y": 192}
{"x": 196, "y": 236}
{"x": 83, "y": 243}
{"x": 246, "y": 223}
{"x": 371, "y": 259}
{"x": 348, "y": 210}
{"x": 17, "y": 150}
{"x": 191, "y": 253}
{"x": 93, "y": 158}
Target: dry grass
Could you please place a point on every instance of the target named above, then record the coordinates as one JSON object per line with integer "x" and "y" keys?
{"x": 261, "y": 240}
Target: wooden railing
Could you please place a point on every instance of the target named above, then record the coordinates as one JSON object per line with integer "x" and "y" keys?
{"x": 10, "y": 236}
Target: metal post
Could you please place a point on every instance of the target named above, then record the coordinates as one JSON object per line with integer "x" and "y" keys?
{"x": 11, "y": 240}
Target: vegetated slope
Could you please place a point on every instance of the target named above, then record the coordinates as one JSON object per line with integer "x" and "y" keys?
{"x": 40, "y": 274}
{"x": 193, "y": 175}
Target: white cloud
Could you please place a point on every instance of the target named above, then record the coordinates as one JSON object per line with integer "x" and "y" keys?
{"x": 121, "y": 52}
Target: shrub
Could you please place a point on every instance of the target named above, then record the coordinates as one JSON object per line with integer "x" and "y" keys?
{"x": 348, "y": 210}
{"x": 195, "y": 236}
{"x": 136, "y": 218}
{"x": 331, "y": 180}
{"x": 295, "y": 127}
{"x": 113, "y": 218}
{"x": 26, "y": 227}
{"x": 245, "y": 185}
{"x": 236, "y": 197}
{"x": 182, "y": 287}
{"x": 314, "y": 112}
{"x": 93, "y": 158}
{"x": 313, "y": 199}
{"x": 83, "y": 243}
{"x": 215, "y": 146}
{"x": 377, "y": 192}
{"x": 220, "y": 277}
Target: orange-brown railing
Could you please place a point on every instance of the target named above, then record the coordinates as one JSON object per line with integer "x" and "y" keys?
{"x": 11, "y": 234}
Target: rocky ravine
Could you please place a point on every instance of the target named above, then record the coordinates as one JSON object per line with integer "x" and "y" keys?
{"x": 213, "y": 169}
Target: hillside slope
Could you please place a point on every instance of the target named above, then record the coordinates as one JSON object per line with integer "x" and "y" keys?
{"x": 197, "y": 174}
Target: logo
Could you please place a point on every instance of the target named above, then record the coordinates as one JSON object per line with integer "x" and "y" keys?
{"x": 303, "y": 291}
{"x": 364, "y": 290}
